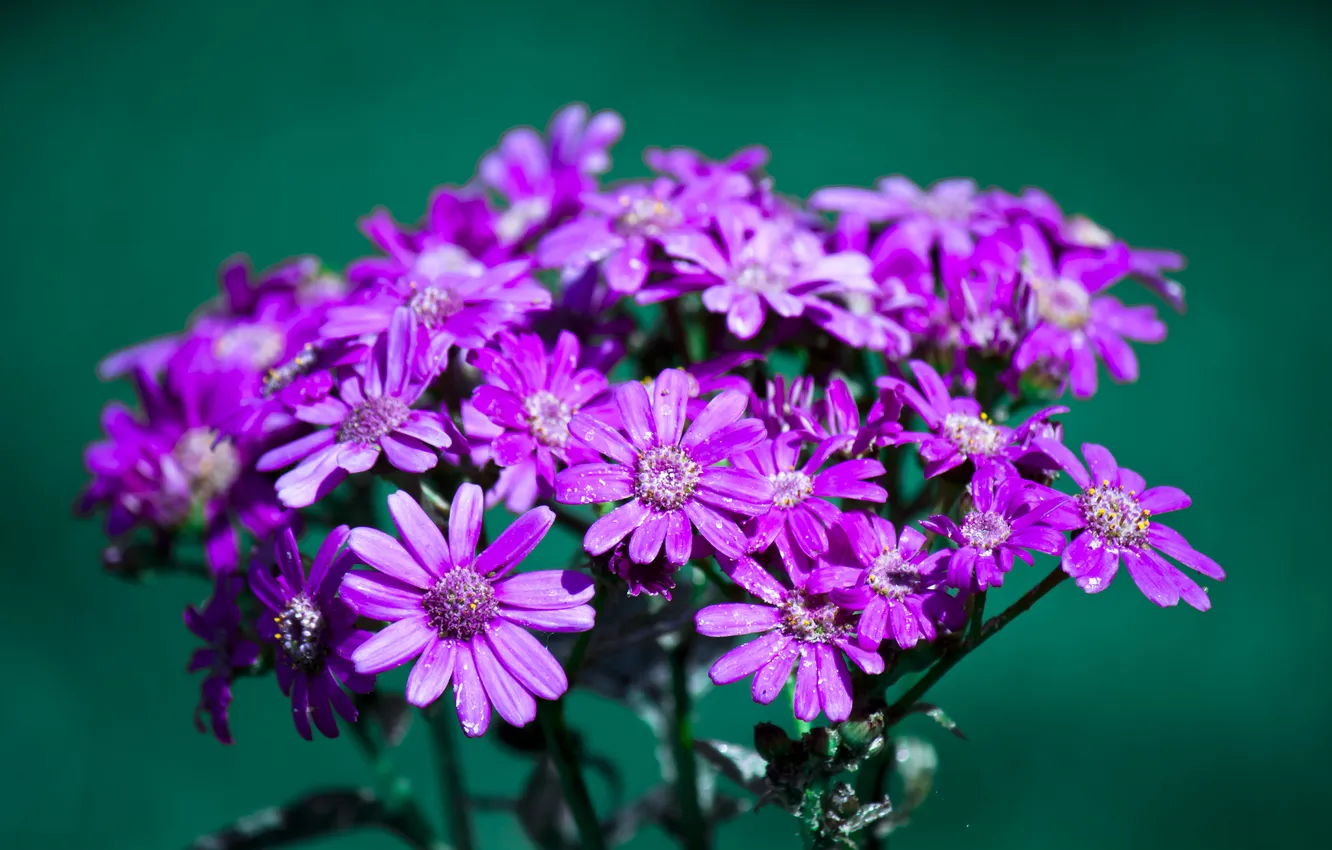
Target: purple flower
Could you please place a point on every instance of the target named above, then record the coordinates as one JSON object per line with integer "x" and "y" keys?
{"x": 529, "y": 399}
{"x": 461, "y": 613}
{"x": 314, "y": 631}
{"x": 1118, "y": 513}
{"x": 225, "y": 651}
{"x": 619, "y": 229}
{"x": 959, "y": 429}
{"x": 461, "y": 306}
{"x": 1073, "y": 324}
{"x": 948, "y": 215}
{"x": 685, "y": 165}
{"x": 900, "y": 588}
{"x": 542, "y": 181}
{"x": 371, "y": 413}
{"x": 1006, "y": 520}
{"x": 655, "y": 578}
{"x": 800, "y": 506}
{"x": 171, "y": 469}
{"x": 668, "y": 474}
{"x": 767, "y": 265}
{"x": 800, "y": 630}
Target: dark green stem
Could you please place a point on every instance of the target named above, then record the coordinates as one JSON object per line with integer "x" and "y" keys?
{"x": 448, "y": 761}
{"x": 899, "y": 709}
{"x": 576, "y": 524}
{"x": 693, "y": 829}
{"x": 395, "y": 790}
{"x": 559, "y": 745}
{"x": 977, "y": 617}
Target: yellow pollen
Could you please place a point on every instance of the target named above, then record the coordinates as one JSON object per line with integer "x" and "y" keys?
{"x": 1105, "y": 482}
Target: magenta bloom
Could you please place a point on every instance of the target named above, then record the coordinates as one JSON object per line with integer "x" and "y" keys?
{"x": 800, "y": 506}
{"x": 1007, "y": 520}
{"x": 768, "y": 265}
{"x": 1118, "y": 513}
{"x": 948, "y": 215}
{"x": 959, "y": 429}
{"x": 900, "y": 588}
{"x": 314, "y": 631}
{"x": 527, "y": 403}
{"x": 169, "y": 468}
{"x": 371, "y": 413}
{"x": 224, "y": 652}
{"x": 669, "y": 474}
{"x": 461, "y": 612}
{"x": 794, "y": 625}
{"x": 542, "y": 180}
{"x": 1074, "y": 322}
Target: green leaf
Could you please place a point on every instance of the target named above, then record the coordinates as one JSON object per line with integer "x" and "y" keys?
{"x": 313, "y": 816}
{"x": 938, "y": 715}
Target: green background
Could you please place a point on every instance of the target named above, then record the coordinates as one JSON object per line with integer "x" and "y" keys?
{"x": 144, "y": 142}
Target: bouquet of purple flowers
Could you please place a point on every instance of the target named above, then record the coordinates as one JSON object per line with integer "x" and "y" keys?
{"x": 798, "y": 443}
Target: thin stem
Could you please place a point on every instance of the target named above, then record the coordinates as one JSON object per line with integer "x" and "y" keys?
{"x": 559, "y": 745}
{"x": 802, "y": 726}
{"x": 899, "y": 709}
{"x": 977, "y": 617}
{"x": 394, "y": 790}
{"x": 692, "y": 827}
{"x": 448, "y": 761}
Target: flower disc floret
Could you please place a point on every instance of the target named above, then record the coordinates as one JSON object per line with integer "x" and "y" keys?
{"x": 300, "y": 632}
{"x": 433, "y": 305}
{"x": 548, "y": 417}
{"x": 1064, "y": 303}
{"x": 460, "y": 605}
{"x": 986, "y": 530}
{"x": 1113, "y": 513}
{"x": 892, "y": 577}
{"x": 210, "y": 464}
{"x": 790, "y": 488}
{"x": 376, "y": 417}
{"x": 972, "y": 435}
{"x": 666, "y": 477}
{"x": 814, "y": 619}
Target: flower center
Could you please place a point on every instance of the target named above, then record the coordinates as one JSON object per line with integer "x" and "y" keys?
{"x": 255, "y": 346}
{"x": 1084, "y": 231}
{"x": 300, "y": 633}
{"x": 790, "y": 488}
{"x": 1115, "y": 515}
{"x": 210, "y": 464}
{"x": 376, "y": 417}
{"x": 514, "y": 222}
{"x": 446, "y": 258}
{"x": 434, "y": 305}
{"x": 279, "y": 378}
{"x": 666, "y": 477}
{"x": 972, "y": 435}
{"x": 647, "y": 215}
{"x": 760, "y": 278}
{"x": 548, "y": 417}
{"x": 460, "y": 604}
{"x": 893, "y": 577}
{"x": 986, "y": 530}
{"x": 813, "y": 619}
{"x": 1063, "y": 302}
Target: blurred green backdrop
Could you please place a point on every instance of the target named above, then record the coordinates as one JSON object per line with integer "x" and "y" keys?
{"x": 146, "y": 141}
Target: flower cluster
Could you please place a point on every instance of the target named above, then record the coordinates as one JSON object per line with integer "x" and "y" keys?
{"x": 818, "y": 406}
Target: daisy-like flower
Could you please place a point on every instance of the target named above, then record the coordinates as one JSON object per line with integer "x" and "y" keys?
{"x": 1118, "y": 513}
{"x": 619, "y": 229}
{"x": 1008, "y": 519}
{"x": 1074, "y": 323}
{"x": 171, "y": 468}
{"x": 462, "y": 613}
{"x": 314, "y": 632}
{"x": 225, "y": 650}
{"x": 798, "y": 630}
{"x": 372, "y": 413}
{"x": 959, "y": 430}
{"x": 900, "y": 589}
{"x": 949, "y": 214}
{"x": 800, "y": 508}
{"x": 542, "y": 179}
{"x": 527, "y": 403}
{"x": 669, "y": 474}
{"x": 459, "y": 305}
{"x": 766, "y": 264}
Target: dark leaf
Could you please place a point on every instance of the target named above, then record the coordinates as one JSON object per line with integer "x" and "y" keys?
{"x": 319, "y": 814}
{"x": 740, "y": 764}
{"x": 915, "y": 760}
{"x": 388, "y": 711}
